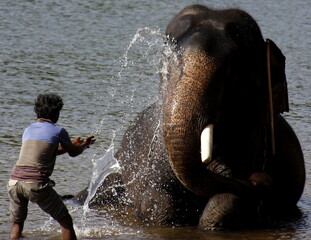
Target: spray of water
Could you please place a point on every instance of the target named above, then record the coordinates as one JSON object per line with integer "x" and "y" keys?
{"x": 102, "y": 167}
{"x": 141, "y": 36}
{"x": 107, "y": 164}
{"x": 148, "y": 42}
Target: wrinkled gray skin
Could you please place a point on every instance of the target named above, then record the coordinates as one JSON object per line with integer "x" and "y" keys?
{"x": 219, "y": 76}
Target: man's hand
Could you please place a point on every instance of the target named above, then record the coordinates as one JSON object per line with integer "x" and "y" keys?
{"x": 262, "y": 183}
{"x": 88, "y": 141}
{"x": 77, "y": 147}
{"x": 77, "y": 141}
{"x": 261, "y": 179}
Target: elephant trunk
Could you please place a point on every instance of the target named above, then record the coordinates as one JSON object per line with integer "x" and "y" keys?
{"x": 186, "y": 113}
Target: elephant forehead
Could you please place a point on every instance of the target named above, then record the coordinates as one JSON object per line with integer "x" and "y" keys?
{"x": 218, "y": 32}
{"x": 212, "y": 23}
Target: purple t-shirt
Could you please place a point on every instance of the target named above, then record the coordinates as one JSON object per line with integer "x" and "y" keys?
{"x": 46, "y": 132}
{"x": 38, "y": 152}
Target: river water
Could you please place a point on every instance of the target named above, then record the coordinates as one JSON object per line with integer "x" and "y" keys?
{"x": 102, "y": 57}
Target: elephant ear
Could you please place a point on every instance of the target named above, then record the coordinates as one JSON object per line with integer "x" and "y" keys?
{"x": 276, "y": 60}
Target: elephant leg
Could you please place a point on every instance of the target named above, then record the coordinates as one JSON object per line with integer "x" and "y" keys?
{"x": 155, "y": 206}
{"x": 222, "y": 210}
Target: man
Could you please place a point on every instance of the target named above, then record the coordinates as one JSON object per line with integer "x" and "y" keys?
{"x": 29, "y": 179}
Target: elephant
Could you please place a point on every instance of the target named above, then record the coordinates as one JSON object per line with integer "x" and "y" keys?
{"x": 214, "y": 150}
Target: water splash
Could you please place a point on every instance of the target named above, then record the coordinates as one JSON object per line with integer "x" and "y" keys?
{"x": 145, "y": 46}
{"x": 142, "y": 35}
{"x": 148, "y": 41}
{"x": 102, "y": 167}
{"x": 144, "y": 50}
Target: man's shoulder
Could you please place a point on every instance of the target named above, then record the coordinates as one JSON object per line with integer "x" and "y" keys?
{"x": 44, "y": 125}
{"x": 43, "y": 131}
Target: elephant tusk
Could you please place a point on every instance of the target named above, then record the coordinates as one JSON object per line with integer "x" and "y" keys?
{"x": 207, "y": 143}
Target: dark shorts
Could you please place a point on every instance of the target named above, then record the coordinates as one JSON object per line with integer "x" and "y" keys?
{"x": 44, "y": 195}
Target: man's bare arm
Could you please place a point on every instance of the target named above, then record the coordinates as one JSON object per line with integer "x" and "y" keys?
{"x": 77, "y": 147}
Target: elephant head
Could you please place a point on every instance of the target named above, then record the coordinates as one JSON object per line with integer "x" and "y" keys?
{"x": 216, "y": 87}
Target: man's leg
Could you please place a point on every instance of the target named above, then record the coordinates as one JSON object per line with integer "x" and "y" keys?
{"x": 17, "y": 229}
{"x": 18, "y": 208}
{"x": 68, "y": 232}
{"x": 50, "y": 202}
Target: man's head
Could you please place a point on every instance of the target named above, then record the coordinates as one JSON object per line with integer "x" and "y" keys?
{"x": 48, "y": 106}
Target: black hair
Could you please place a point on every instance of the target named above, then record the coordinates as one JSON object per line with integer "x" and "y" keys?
{"x": 48, "y": 105}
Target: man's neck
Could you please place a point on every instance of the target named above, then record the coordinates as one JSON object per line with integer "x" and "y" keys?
{"x": 45, "y": 120}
